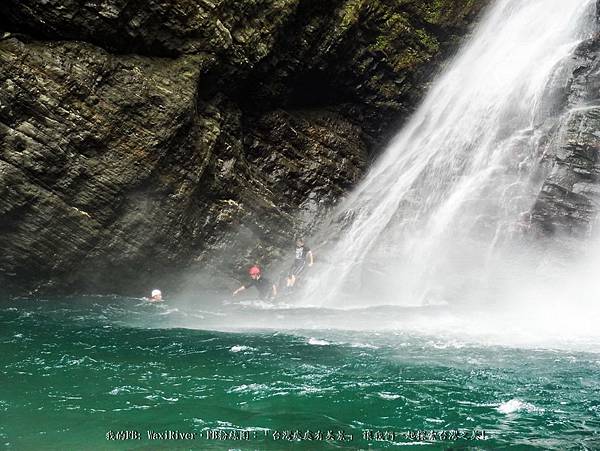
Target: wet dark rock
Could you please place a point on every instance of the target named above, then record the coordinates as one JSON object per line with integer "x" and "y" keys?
{"x": 240, "y": 31}
{"x": 142, "y": 143}
{"x": 570, "y": 197}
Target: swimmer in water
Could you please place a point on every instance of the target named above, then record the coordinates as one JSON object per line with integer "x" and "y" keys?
{"x": 156, "y": 296}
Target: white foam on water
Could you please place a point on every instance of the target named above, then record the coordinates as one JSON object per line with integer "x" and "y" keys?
{"x": 242, "y": 348}
{"x": 126, "y": 389}
{"x": 317, "y": 342}
{"x": 249, "y": 388}
{"x": 389, "y": 396}
{"x": 363, "y": 346}
{"x": 516, "y": 405}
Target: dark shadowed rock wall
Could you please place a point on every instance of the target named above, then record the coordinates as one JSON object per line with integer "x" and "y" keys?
{"x": 143, "y": 140}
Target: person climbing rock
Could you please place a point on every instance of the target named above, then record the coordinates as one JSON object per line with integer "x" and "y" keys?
{"x": 303, "y": 253}
{"x": 266, "y": 289}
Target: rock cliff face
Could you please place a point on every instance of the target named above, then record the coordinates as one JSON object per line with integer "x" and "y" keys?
{"x": 143, "y": 140}
{"x": 570, "y": 196}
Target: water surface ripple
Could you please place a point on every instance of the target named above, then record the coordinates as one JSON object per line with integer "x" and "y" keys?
{"x": 74, "y": 369}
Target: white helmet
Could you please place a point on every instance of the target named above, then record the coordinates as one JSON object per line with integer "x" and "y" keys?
{"x": 156, "y": 293}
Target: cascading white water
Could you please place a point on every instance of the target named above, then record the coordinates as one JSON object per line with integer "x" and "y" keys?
{"x": 439, "y": 216}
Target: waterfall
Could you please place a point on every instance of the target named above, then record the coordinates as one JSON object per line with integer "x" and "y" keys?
{"x": 440, "y": 217}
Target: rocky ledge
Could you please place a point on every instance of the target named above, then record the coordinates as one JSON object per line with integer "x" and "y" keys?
{"x": 148, "y": 142}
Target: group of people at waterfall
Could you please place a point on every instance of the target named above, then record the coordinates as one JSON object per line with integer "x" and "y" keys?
{"x": 267, "y": 289}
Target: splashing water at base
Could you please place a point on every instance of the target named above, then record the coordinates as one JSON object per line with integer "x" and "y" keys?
{"x": 74, "y": 369}
{"x": 440, "y": 218}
